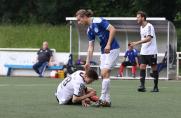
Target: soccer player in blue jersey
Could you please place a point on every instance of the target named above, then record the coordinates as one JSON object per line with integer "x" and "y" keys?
{"x": 132, "y": 55}
{"x": 109, "y": 49}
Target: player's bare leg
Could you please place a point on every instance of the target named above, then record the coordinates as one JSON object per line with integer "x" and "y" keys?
{"x": 94, "y": 98}
{"x": 142, "y": 78}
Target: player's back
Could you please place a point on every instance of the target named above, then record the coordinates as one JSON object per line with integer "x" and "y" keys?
{"x": 67, "y": 87}
{"x": 99, "y": 27}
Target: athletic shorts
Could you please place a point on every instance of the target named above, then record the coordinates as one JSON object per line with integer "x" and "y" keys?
{"x": 61, "y": 100}
{"x": 127, "y": 63}
{"x": 108, "y": 61}
{"x": 66, "y": 103}
{"x": 149, "y": 59}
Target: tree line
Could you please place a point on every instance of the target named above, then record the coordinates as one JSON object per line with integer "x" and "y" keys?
{"x": 55, "y": 11}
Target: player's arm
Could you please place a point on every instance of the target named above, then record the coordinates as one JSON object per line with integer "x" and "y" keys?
{"x": 89, "y": 54}
{"x": 148, "y": 38}
{"x": 80, "y": 98}
{"x": 137, "y": 63}
{"x": 112, "y": 32}
{"x": 136, "y": 57}
{"x": 145, "y": 40}
{"x": 84, "y": 100}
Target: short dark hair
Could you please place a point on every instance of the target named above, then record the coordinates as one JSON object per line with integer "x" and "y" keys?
{"x": 143, "y": 14}
{"x": 83, "y": 12}
{"x": 92, "y": 74}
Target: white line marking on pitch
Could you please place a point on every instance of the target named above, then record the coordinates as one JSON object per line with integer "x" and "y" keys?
{"x": 4, "y": 85}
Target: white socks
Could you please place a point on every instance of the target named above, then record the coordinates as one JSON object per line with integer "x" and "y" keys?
{"x": 105, "y": 93}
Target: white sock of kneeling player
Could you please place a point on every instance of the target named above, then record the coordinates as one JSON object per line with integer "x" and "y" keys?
{"x": 105, "y": 90}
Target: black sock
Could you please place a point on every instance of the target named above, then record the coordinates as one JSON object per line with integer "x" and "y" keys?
{"x": 142, "y": 75}
{"x": 155, "y": 75}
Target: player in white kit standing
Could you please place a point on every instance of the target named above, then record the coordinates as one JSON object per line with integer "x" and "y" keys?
{"x": 109, "y": 49}
{"x": 148, "y": 51}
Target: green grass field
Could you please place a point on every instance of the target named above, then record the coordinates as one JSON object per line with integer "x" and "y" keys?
{"x": 32, "y": 36}
{"x": 34, "y": 98}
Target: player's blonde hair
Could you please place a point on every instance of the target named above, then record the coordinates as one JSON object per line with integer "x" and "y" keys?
{"x": 83, "y": 12}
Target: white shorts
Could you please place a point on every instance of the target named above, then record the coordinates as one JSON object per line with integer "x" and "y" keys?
{"x": 108, "y": 61}
{"x": 61, "y": 99}
{"x": 62, "y": 95}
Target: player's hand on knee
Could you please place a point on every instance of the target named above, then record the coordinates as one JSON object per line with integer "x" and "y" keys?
{"x": 86, "y": 102}
{"x": 92, "y": 93}
{"x": 107, "y": 49}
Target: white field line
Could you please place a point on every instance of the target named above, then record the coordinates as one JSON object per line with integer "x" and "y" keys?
{"x": 2, "y": 85}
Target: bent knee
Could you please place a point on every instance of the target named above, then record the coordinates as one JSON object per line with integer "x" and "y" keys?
{"x": 94, "y": 91}
{"x": 105, "y": 73}
{"x": 142, "y": 66}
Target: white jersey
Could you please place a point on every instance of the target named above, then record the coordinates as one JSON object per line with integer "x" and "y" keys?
{"x": 149, "y": 48}
{"x": 71, "y": 85}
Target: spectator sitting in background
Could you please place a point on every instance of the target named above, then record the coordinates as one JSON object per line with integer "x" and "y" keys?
{"x": 44, "y": 59}
{"x": 132, "y": 55}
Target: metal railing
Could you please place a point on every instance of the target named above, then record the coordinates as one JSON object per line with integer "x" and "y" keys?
{"x": 23, "y": 49}
{"x": 178, "y": 64}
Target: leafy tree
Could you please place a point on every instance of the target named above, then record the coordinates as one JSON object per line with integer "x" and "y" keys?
{"x": 157, "y": 8}
{"x": 55, "y": 11}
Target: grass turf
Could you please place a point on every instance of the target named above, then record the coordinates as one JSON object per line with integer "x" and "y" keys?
{"x": 34, "y": 98}
{"x": 32, "y": 36}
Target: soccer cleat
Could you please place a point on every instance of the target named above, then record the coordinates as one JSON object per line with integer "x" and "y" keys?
{"x": 155, "y": 89}
{"x": 141, "y": 89}
{"x": 106, "y": 104}
{"x": 101, "y": 103}
{"x": 98, "y": 103}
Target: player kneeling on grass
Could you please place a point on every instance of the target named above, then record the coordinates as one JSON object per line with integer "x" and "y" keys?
{"x": 132, "y": 55}
{"x": 73, "y": 90}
